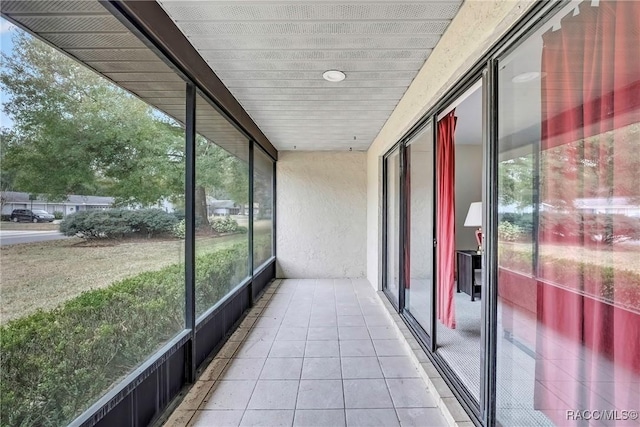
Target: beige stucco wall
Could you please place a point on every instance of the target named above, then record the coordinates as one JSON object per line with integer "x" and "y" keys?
{"x": 321, "y": 221}
{"x": 477, "y": 26}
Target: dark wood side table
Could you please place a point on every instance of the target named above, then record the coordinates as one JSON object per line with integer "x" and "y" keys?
{"x": 468, "y": 263}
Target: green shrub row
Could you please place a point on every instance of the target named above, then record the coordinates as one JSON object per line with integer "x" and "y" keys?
{"x": 57, "y": 363}
{"x": 611, "y": 284}
{"x": 118, "y": 223}
{"x": 217, "y": 224}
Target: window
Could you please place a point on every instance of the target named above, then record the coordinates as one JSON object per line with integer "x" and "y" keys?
{"x": 569, "y": 191}
{"x": 262, "y": 207}
{"x": 221, "y": 207}
{"x": 81, "y": 313}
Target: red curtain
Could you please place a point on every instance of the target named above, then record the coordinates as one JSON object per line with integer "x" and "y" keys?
{"x": 588, "y": 309}
{"x": 445, "y": 215}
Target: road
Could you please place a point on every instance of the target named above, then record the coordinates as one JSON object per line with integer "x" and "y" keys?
{"x": 13, "y": 237}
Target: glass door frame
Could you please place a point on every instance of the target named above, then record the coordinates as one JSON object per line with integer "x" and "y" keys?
{"x": 397, "y": 305}
{"x": 426, "y": 335}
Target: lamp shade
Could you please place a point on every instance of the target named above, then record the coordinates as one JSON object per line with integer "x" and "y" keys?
{"x": 474, "y": 216}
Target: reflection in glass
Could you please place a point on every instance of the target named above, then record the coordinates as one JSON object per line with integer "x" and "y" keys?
{"x": 569, "y": 231}
{"x": 393, "y": 224}
{"x": 262, "y": 208}
{"x": 420, "y": 226}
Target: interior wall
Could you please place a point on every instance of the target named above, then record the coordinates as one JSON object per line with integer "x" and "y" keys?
{"x": 468, "y": 189}
{"x": 478, "y": 25}
{"x": 321, "y": 220}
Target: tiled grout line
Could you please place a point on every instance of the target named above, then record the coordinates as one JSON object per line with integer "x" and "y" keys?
{"x": 256, "y": 309}
{"x": 244, "y": 413}
{"x": 449, "y": 406}
{"x": 395, "y": 410}
{"x": 402, "y": 334}
{"x": 300, "y": 376}
{"x": 344, "y": 398}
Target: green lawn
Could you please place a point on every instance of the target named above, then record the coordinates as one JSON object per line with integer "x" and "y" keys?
{"x": 45, "y": 274}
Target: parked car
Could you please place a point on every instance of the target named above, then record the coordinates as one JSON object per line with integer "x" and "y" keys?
{"x": 29, "y": 215}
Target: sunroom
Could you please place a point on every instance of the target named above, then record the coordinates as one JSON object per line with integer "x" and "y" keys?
{"x": 321, "y": 213}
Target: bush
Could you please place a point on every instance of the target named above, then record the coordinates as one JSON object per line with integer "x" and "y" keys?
{"x": 508, "y": 232}
{"x": 58, "y": 214}
{"x": 594, "y": 229}
{"x": 179, "y": 229}
{"x": 118, "y": 223}
{"x": 224, "y": 224}
{"x": 4, "y": 217}
{"x": 150, "y": 222}
{"x": 57, "y": 363}
{"x": 524, "y": 221}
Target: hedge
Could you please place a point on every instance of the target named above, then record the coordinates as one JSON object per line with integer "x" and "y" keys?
{"x": 605, "y": 282}
{"x": 118, "y": 223}
{"x": 55, "y": 364}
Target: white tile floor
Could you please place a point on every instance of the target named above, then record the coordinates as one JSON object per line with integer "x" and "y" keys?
{"x": 312, "y": 353}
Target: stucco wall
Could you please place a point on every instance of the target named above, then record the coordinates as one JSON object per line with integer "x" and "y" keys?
{"x": 478, "y": 25}
{"x": 321, "y": 220}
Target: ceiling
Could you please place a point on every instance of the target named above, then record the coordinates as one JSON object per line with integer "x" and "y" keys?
{"x": 271, "y": 56}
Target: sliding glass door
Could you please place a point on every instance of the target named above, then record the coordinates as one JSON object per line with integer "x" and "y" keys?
{"x": 391, "y": 279}
{"x": 568, "y": 283}
{"x": 419, "y": 187}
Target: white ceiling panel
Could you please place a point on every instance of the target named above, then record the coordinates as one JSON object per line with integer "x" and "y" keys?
{"x": 271, "y": 56}
{"x": 295, "y": 11}
{"x": 324, "y": 41}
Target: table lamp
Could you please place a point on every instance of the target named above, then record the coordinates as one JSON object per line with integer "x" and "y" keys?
{"x": 474, "y": 219}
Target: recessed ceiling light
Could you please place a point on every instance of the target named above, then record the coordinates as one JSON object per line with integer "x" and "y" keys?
{"x": 334, "y": 76}
{"x": 529, "y": 76}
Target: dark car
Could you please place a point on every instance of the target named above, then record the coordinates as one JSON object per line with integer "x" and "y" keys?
{"x": 29, "y": 215}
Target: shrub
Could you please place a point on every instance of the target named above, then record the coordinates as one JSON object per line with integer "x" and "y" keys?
{"x": 224, "y": 224}
{"x": 118, "y": 223}
{"x": 56, "y": 363}
{"x": 150, "y": 222}
{"x": 508, "y": 232}
{"x": 108, "y": 224}
{"x": 591, "y": 229}
{"x": 58, "y": 214}
{"x": 522, "y": 220}
{"x": 179, "y": 229}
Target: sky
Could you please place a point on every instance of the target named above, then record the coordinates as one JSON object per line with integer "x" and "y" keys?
{"x": 6, "y": 46}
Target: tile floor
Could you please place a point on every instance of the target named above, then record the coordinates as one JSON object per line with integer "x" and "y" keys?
{"x": 312, "y": 353}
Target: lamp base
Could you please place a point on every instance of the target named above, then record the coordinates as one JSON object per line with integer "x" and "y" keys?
{"x": 479, "y": 239}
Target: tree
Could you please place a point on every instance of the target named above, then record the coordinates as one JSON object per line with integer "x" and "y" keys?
{"x": 76, "y": 133}
{"x": 220, "y": 175}
{"x": 515, "y": 178}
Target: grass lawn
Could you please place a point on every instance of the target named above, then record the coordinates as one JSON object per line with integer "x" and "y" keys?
{"x": 45, "y": 274}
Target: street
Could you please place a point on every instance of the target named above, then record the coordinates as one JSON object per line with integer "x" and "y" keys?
{"x": 13, "y": 237}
